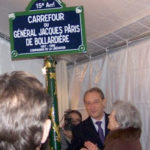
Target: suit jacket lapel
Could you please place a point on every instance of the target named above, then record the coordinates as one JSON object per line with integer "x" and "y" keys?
{"x": 92, "y": 130}
{"x": 90, "y": 127}
{"x": 106, "y": 126}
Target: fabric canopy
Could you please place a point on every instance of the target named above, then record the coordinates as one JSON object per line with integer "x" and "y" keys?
{"x": 122, "y": 75}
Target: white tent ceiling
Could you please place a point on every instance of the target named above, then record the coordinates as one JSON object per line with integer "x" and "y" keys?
{"x": 109, "y": 23}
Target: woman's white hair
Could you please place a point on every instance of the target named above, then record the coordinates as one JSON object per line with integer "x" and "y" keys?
{"x": 127, "y": 114}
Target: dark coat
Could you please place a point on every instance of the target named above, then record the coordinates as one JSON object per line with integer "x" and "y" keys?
{"x": 65, "y": 142}
{"x": 86, "y": 131}
{"x": 123, "y": 139}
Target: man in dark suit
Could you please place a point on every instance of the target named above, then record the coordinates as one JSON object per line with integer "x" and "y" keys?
{"x": 88, "y": 130}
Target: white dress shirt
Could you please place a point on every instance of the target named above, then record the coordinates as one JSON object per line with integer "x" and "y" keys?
{"x": 102, "y": 125}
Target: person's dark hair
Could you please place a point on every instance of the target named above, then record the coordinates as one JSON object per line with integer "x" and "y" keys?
{"x": 24, "y": 106}
{"x": 68, "y": 112}
{"x": 94, "y": 89}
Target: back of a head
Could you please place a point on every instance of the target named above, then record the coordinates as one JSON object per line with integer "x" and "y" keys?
{"x": 24, "y": 106}
{"x": 127, "y": 115}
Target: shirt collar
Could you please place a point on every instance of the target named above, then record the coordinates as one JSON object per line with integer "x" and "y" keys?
{"x": 102, "y": 120}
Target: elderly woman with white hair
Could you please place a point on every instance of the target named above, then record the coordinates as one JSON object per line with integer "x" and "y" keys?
{"x": 125, "y": 126}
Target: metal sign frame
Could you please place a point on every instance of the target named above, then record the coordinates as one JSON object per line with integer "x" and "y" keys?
{"x": 45, "y": 50}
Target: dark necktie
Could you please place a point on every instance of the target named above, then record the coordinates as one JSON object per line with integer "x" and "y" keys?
{"x": 100, "y": 131}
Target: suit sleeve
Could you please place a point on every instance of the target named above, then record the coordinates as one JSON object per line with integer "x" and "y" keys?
{"x": 77, "y": 142}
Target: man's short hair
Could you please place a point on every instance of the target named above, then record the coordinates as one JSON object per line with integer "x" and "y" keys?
{"x": 24, "y": 106}
{"x": 127, "y": 115}
{"x": 94, "y": 89}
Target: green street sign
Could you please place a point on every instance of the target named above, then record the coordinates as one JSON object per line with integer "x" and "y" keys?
{"x": 46, "y": 28}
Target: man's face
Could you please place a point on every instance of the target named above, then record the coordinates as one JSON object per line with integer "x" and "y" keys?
{"x": 94, "y": 105}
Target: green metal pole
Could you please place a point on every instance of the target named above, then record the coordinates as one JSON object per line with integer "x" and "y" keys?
{"x": 51, "y": 88}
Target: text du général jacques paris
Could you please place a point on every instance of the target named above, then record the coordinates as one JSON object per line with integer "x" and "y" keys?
{"x": 46, "y": 34}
